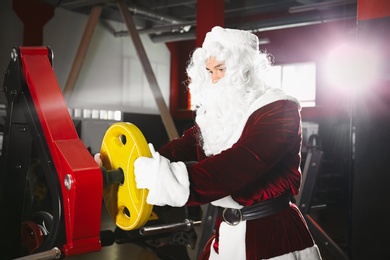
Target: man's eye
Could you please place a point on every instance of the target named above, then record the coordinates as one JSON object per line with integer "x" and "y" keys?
{"x": 223, "y": 69}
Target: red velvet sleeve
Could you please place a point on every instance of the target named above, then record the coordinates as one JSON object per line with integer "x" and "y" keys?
{"x": 183, "y": 149}
{"x": 262, "y": 164}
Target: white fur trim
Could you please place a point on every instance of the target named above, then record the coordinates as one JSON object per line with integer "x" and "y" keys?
{"x": 213, "y": 254}
{"x": 310, "y": 253}
{"x": 231, "y": 238}
{"x": 231, "y": 38}
{"x": 227, "y": 202}
{"x": 231, "y": 242}
{"x": 270, "y": 96}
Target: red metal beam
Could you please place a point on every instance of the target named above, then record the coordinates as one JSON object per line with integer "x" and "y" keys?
{"x": 34, "y": 14}
{"x": 209, "y": 14}
{"x": 82, "y": 201}
{"x": 371, "y": 9}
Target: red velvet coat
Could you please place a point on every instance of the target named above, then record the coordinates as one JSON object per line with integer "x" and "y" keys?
{"x": 262, "y": 164}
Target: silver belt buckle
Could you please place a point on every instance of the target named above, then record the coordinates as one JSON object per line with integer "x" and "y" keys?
{"x": 233, "y": 220}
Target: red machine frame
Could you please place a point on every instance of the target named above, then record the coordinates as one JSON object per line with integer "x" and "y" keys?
{"x": 36, "y": 104}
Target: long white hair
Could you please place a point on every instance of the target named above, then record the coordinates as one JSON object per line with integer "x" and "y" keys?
{"x": 246, "y": 70}
{"x": 222, "y": 106}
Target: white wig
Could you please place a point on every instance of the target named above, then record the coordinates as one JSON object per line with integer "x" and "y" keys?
{"x": 246, "y": 67}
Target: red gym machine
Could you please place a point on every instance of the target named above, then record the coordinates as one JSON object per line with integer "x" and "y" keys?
{"x": 40, "y": 137}
{"x": 52, "y": 189}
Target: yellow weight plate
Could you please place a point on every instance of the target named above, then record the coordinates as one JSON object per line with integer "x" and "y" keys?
{"x": 122, "y": 144}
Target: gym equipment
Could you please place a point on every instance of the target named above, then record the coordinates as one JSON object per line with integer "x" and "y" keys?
{"x": 52, "y": 186}
{"x": 42, "y": 155}
{"x": 122, "y": 144}
{"x": 304, "y": 202}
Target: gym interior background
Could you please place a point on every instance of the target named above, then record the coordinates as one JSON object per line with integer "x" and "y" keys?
{"x": 347, "y": 117}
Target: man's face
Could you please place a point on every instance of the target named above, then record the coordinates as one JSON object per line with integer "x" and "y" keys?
{"x": 216, "y": 69}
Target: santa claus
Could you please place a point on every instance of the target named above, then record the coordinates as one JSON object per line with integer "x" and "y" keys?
{"x": 242, "y": 155}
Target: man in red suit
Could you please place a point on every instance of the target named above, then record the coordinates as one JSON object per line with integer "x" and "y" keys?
{"x": 242, "y": 155}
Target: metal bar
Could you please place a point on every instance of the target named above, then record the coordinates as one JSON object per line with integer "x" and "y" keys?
{"x": 54, "y": 253}
{"x": 208, "y": 229}
{"x": 319, "y": 6}
{"x": 168, "y": 228}
{"x": 325, "y": 239}
{"x": 309, "y": 176}
{"x": 160, "y": 29}
{"x": 164, "y": 111}
{"x": 82, "y": 50}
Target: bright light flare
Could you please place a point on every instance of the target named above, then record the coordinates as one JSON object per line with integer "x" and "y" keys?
{"x": 352, "y": 67}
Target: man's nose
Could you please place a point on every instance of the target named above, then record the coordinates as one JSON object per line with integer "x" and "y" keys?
{"x": 215, "y": 77}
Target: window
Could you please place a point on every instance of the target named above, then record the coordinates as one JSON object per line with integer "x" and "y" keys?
{"x": 297, "y": 80}
{"x": 96, "y": 114}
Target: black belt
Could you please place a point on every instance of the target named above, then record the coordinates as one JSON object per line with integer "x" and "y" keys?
{"x": 258, "y": 210}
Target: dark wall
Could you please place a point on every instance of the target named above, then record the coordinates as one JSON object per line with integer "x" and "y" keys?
{"x": 153, "y": 128}
{"x": 370, "y": 224}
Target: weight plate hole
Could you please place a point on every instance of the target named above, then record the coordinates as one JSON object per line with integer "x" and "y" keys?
{"x": 126, "y": 212}
{"x": 122, "y": 138}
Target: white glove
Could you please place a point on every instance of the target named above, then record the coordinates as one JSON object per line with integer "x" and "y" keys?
{"x": 97, "y": 159}
{"x": 146, "y": 169}
{"x": 167, "y": 182}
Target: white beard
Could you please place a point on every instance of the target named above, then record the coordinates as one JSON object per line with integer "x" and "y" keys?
{"x": 221, "y": 109}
